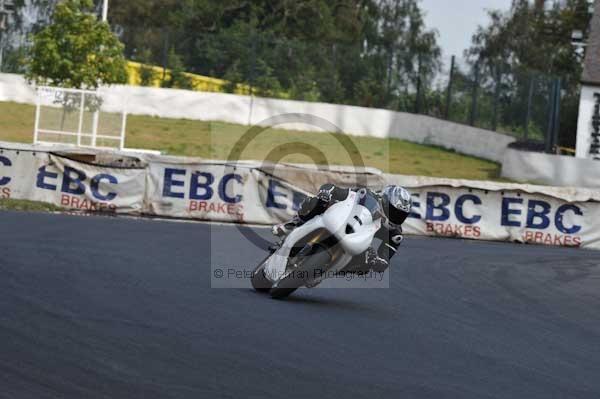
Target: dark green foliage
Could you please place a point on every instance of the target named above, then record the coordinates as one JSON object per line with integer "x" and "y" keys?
{"x": 147, "y": 73}
{"x": 177, "y": 78}
{"x": 361, "y": 52}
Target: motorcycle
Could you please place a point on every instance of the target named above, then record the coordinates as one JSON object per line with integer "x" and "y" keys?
{"x": 322, "y": 247}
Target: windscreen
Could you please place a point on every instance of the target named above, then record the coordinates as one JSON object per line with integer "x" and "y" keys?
{"x": 371, "y": 202}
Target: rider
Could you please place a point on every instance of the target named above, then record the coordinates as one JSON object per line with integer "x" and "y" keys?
{"x": 396, "y": 203}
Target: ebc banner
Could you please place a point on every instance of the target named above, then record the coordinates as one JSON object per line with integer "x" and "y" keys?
{"x": 503, "y": 216}
{"x": 84, "y": 187}
{"x": 202, "y": 191}
{"x": 219, "y": 192}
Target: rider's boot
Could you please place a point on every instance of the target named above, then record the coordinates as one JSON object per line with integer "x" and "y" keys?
{"x": 275, "y": 246}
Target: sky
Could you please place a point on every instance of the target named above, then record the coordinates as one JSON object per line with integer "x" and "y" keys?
{"x": 457, "y": 20}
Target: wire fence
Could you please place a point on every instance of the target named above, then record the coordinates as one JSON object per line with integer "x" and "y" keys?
{"x": 77, "y": 117}
{"x": 524, "y": 104}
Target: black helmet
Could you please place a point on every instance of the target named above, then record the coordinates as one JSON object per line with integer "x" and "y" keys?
{"x": 397, "y": 204}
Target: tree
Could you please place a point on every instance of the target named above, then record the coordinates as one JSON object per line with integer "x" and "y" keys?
{"x": 147, "y": 73}
{"x": 404, "y": 54}
{"x": 363, "y": 52}
{"x": 529, "y": 46}
{"x": 177, "y": 79}
{"x": 76, "y": 50}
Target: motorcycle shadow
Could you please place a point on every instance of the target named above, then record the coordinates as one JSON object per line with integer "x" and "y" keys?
{"x": 312, "y": 299}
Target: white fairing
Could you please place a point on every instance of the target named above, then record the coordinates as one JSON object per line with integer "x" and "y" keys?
{"x": 336, "y": 220}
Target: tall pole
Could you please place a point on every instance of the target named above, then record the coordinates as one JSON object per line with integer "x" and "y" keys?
{"x": 529, "y": 104}
{"x": 496, "y": 98}
{"x": 475, "y": 93}
{"x": 419, "y": 87}
{"x": 1, "y": 48}
{"x": 105, "y": 11}
{"x": 556, "y": 132}
{"x": 449, "y": 92}
{"x": 550, "y": 129}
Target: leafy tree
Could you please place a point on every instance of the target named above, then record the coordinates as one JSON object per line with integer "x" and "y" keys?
{"x": 177, "y": 78}
{"x": 527, "y": 47}
{"x": 364, "y": 52}
{"x": 76, "y": 50}
{"x": 408, "y": 52}
{"x": 15, "y": 60}
{"x": 147, "y": 73}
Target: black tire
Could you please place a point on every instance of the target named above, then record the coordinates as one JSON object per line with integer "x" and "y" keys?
{"x": 307, "y": 266}
{"x": 259, "y": 280}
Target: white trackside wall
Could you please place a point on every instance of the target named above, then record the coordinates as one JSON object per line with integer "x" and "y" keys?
{"x": 247, "y": 193}
{"x": 255, "y": 111}
{"x": 551, "y": 169}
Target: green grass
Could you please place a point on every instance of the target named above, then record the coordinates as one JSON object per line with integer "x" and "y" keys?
{"x": 215, "y": 140}
{"x": 27, "y": 206}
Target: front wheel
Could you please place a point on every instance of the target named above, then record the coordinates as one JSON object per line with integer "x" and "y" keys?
{"x": 300, "y": 275}
{"x": 260, "y": 282}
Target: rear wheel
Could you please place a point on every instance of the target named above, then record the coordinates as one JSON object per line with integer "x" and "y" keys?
{"x": 304, "y": 271}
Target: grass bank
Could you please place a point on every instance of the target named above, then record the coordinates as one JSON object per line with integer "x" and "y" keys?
{"x": 216, "y": 140}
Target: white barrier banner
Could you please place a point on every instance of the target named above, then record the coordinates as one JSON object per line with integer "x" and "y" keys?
{"x": 39, "y": 176}
{"x": 247, "y": 194}
{"x": 219, "y": 192}
{"x": 85, "y": 187}
{"x": 18, "y": 173}
{"x": 503, "y": 216}
{"x": 470, "y": 213}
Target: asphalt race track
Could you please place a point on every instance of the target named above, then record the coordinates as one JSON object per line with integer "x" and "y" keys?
{"x": 95, "y": 307}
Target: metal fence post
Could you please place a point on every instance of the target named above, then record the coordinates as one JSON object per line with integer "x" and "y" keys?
{"x": 475, "y": 93}
{"x": 254, "y": 46}
{"x": 419, "y": 88}
{"x": 551, "y": 117}
{"x": 95, "y": 121}
{"x": 123, "y": 127}
{"x": 496, "y": 99}
{"x": 253, "y": 38}
{"x": 80, "y": 126}
{"x": 556, "y": 124}
{"x": 38, "y": 106}
{"x": 449, "y": 92}
{"x": 1, "y": 49}
{"x": 165, "y": 54}
{"x": 334, "y": 78}
{"x": 528, "y": 112}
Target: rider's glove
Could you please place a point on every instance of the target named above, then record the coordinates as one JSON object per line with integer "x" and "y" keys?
{"x": 324, "y": 196}
{"x": 375, "y": 262}
{"x": 283, "y": 229}
{"x": 279, "y": 230}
